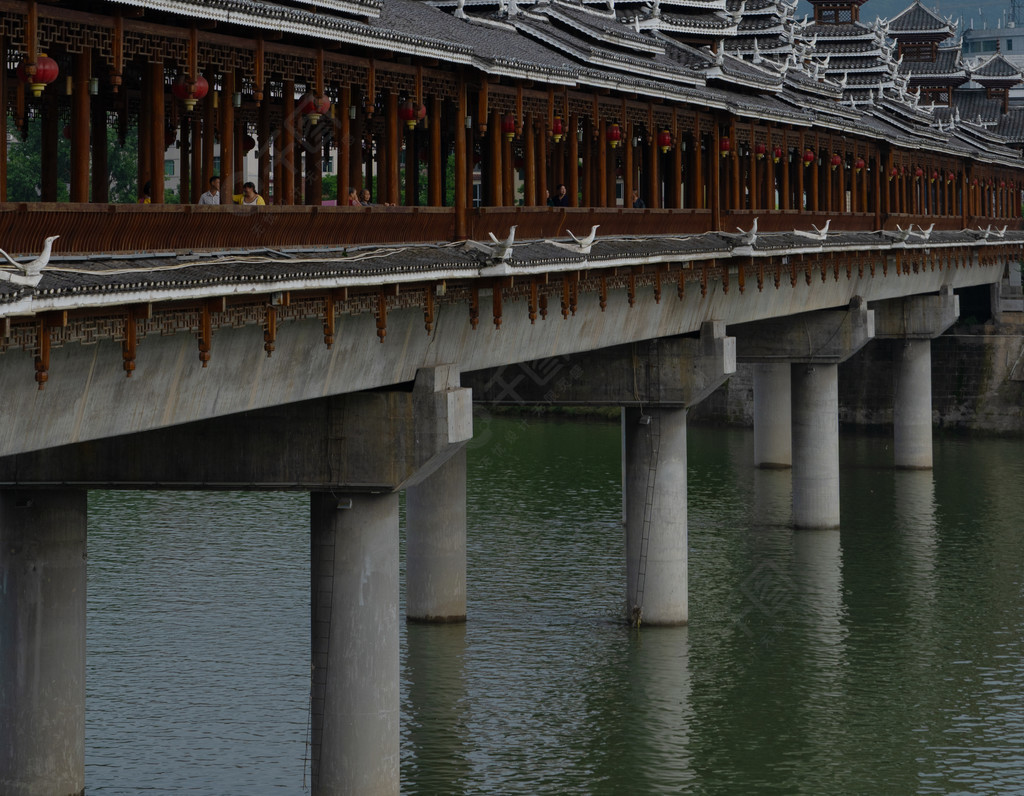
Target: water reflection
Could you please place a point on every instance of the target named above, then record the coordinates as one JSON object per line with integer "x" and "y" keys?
{"x": 884, "y": 658}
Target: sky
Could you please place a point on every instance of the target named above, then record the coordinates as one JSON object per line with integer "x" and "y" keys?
{"x": 990, "y": 12}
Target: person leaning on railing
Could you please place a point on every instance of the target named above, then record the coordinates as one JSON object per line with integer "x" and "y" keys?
{"x": 248, "y": 196}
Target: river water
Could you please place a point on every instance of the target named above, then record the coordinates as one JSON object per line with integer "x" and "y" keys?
{"x": 885, "y": 658}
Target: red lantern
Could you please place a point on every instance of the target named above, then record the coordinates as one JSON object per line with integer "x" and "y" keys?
{"x": 894, "y": 174}
{"x": 918, "y": 173}
{"x": 508, "y": 126}
{"x": 314, "y": 106}
{"x": 974, "y": 183}
{"x": 1002, "y": 183}
{"x": 724, "y": 146}
{"x": 759, "y": 150}
{"x": 777, "y": 154}
{"x": 949, "y": 177}
{"x": 935, "y": 176}
{"x": 836, "y": 161}
{"x": 248, "y": 144}
{"x": 190, "y": 94}
{"x": 808, "y": 157}
{"x": 614, "y": 135}
{"x": 557, "y": 129}
{"x": 40, "y": 76}
{"x": 665, "y": 141}
{"x": 858, "y": 165}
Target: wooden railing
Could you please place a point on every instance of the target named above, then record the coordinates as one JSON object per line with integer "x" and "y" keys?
{"x": 93, "y": 228}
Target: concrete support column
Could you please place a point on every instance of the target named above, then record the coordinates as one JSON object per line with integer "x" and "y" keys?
{"x": 435, "y": 545}
{"x": 42, "y": 642}
{"x": 354, "y": 572}
{"x": 912, "y": 411}
{"x": 815, "y": 446}
{"x": 773, "y": 426}
{"x": 656, "y": 555}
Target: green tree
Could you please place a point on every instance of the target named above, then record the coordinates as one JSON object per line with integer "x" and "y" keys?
{"x": 25, "y": 160}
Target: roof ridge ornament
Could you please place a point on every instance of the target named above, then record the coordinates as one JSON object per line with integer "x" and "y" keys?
{"x": 818, "y": 234}
{"x": 498, "y": 251}
{"x": 31, "y": 272}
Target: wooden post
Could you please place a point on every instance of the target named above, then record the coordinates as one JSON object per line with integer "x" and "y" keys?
{"x": 715, "y": 189}
{"x": 228, "y": 179}
{"x": 654, "y": 186}
{"x": 543, "y": 186}
{"x": 314, "y": 147}
{"x": 48, "y": 177}
{"x": 209, "y": 129}
{"x": 392, "y": 138}
{"x": 599, "y": 194}
{"x": 80, "y": 127}
{"x": 462, "y": 164}
{"x": 677, "y": 167}
{"x": 587, "y": 165}
{"x": 529, "y": 162}
{"x": 185, "y": 160}
{"x": 286, "y": 147}
{"x": 263, "y": 141}
{"x": 435, "y": 169}
{"x": 627, "y": 163}
{"x": 572, "y": 163}
{"x": 3, "y": 125}
{"x": 508, "y": 170}
{"x": 100, "y": 172}
{"x": 494, "y": 195}
{"x": 157, "y": 134}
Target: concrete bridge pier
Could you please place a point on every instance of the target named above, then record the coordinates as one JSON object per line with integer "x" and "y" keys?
{"x": 435, "y": 544}
{"x": 910, "y": 324}
{"x": 811, "y": 345}
{"x": 656, "y": 526}
{"x": 815, "y": 446}
{"x": 42, "y": 641}
{"x": 353, "y": 453}
{"x": 773, "y": 425}
{"x": 355, "y": 705}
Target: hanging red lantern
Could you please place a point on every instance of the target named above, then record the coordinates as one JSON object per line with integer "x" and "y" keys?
{"x": 724, "y": 146}
{"x": 45, "y": 72}
{"x": 809, "y": 157}
{"x": 190, "y": 94}
{"x": 974, "y": 183}
{"x": 314, "y": 106}
{"x": 1002, "y": 183}
{"x": 949, "y": 177}
{"x": 918, "y": 173}
{"x": 894, "y": 174}
{"x": 614, "y": 135}
{"x": 835, "y": 161}
{"x": 248, "y": 144}
{"x": 557, "y": 129}
{"x": 858, "y": 165}
{"x": 665, "y": 141}
{"x": 508, "y": 126}
{"x": 935, "y": 176}
{"x": 759, "y": 151}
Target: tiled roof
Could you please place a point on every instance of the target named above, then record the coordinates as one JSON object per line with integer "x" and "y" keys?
{"x": 919, "y": 20}
{"x": 996, "y": 70}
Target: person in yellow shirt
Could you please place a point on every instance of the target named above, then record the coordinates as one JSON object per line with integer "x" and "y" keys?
{"x": 248, "y": 196}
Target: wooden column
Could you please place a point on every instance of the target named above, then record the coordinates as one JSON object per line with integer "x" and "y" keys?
{"x": 286, "y": 146}
{"x": 80, "y": 127}
{"x": 185, "y": 160}
{"x": 572, "y": 171}
{"x": 3, "y": 124}
{"x": 654, "y": 186}
{"x": 157, "y": 134}
{"x": 392, "y": 137}
{"x": 263, "y": 141}
{"x": 209, "y": 129}
{"x": 610, "y": 177}
{"x": 494, "y": 195}
{"x": 677, "y": 168}
{"x": 314, "y": 147}
{"x": 229, "y": 180}
{"x": 735, "y": 183}
{"x": 100, "y": 170}
{"x": 529, "y": 162}
{"x": 785, "y": 191}
{"x": 49, "y": 131}
{"x": 627, "y": 163}
{"x": 278, "y": 168}
{"x": 599, "y": 193}
{"x": 463, "y": 166}
{"x": 343, "y": 133}
{"x": 587, "y": 158}
{"x": 815, "y": 180}
{"x": 355, "y": 151}
{"x": 698, "y": 198}
{"x": 752, "y": 182}
{"x": 715, "y": 188}
{"x": 508, "y": 172}
{"x": 436, "y": 166}
{"x": 541, "y": 167}
{"x": 145, "y": 158}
